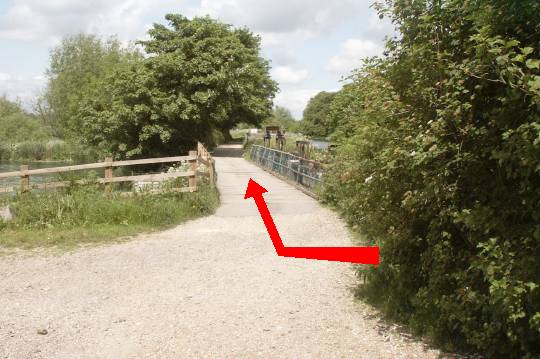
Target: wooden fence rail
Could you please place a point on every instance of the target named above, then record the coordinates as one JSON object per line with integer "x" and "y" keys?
{"x": 206, "y": 159}
{"x": 195, "y": 158}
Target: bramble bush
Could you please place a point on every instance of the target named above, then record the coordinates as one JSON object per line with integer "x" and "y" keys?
{"x": 439, "y": 164}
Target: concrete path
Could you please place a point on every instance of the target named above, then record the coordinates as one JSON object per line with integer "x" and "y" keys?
{"x": 211, "y": 288}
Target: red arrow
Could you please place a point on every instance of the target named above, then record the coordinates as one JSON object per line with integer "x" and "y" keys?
{"x": 364, "y": 255}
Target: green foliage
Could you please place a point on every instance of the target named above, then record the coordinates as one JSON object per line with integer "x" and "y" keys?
{"x": 30, "y": 150}
{"x": 202, "y": 76}
{"x": 315, "y": 121}
{"x": 24, "y": 137}
{"x": 438, "y": 163}
{"x": 8, "y": 108}
{"x": 77, "y": 67}
{"x": 85, "y": 214}
{"x": 17, "y": 126}
{"x": 52, "y": 150}
{"x": 282, "y": 117}
{"x": 5, "y": 152}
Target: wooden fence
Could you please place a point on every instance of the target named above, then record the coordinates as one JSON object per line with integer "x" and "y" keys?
{"x": 194, "y": 158}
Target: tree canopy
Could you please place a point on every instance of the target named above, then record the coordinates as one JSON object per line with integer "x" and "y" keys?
{"x": 78, "y": 66}
{"x": 16, "y": 125}
{"x": 200, "y": 77}
{"x": 315, "y": 121}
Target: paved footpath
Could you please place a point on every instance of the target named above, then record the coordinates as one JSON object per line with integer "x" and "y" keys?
{"x": 210, "y": 288}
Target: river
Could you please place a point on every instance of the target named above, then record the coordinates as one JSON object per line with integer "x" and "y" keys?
{"x": 320, "y": 144}
{"x": 14, "y": 166}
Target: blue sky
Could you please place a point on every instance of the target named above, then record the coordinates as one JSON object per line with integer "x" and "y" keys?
{"x": 312, "y": 44}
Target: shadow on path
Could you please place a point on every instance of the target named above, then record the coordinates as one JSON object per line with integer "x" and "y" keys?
{"x": 229, "y": 150}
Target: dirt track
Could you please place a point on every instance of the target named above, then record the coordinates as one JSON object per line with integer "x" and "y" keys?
{"x": 211, "y": 288}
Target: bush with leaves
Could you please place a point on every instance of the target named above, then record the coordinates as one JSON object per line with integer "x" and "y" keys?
{"x": 78, "y": 65}
{"x": 16, "y": 125}
{"x": 441, "y": 168}
{"x": 315, "y": 121}
{"x": 202, "y": 76}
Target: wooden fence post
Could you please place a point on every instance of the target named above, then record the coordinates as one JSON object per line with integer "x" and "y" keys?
{"x": 25, "y": 179}
{"x": 193, "y": 167}
{"x": 108, "y": 174}
{"x": 211, "y": 172}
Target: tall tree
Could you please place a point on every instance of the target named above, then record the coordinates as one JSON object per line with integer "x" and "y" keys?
{"x": 77, "y": 66}
{"x": 216, "y": 68}
{"x": 201, "y": 76}
{"x": 16, "y": 125}
{"x": 315, "y": 121}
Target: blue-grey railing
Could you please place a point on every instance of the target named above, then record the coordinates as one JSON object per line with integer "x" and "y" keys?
{"x": 306, "y": 173}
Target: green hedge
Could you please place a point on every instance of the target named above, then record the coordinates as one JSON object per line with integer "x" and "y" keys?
{"x": 439, "y": 164}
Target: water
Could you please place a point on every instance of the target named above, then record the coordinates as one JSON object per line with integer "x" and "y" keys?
{"x": 320, "y": 144}
{"x": 15, "y": 166}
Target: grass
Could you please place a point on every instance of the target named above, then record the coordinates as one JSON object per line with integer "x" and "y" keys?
{"x": 45, "y": 150}
{"x": 85, "y": 215}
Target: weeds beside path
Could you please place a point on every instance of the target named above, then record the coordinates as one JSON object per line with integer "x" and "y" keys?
{"x": 85, "y": 215}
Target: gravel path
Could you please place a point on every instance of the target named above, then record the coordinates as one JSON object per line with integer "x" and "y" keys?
{"x": 210, "y": 288}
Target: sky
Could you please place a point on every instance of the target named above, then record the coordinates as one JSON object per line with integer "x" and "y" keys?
{"x": 311, "y": 44}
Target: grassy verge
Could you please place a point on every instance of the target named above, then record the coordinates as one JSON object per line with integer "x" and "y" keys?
{"x": 84, "y": 215}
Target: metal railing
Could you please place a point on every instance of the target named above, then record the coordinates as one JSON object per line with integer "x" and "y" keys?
{"x": 306, "y": 173}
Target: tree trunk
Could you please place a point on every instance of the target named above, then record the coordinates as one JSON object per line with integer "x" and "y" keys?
{"x": 227, "y": 135}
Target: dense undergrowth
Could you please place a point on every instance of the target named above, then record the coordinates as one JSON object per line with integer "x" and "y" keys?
{"x": 438, "y": 163}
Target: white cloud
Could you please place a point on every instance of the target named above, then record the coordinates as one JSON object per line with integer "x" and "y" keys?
{"x": 279, "y": 16}
{"x": 279, "y": 21}
{"x": 285, "y": 39}
{"x": 289, "y": 75}
{"x": 48, "y": 21}
{"x": 295, "y": 100}
{"x": 283, "y": 57}
{"x": 375, "y": 23}
{"x": 21, "y": 88}
{"x": 124, "y": 19}
{"x": 4, "y": 77}
{"x": 351, "y": 55}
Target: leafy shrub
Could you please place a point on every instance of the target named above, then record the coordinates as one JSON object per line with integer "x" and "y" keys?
{"x": 30, "y": 151}
{"x": 162, "y": 104}
{"x": 5, "y": 152}
{"x": 57, "y": 150}
{"x": 438, "y": 163}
